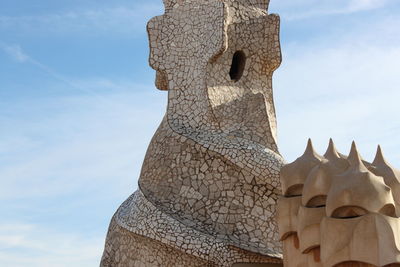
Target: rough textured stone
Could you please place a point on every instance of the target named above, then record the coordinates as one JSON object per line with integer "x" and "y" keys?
{"x": 210, "y": 179}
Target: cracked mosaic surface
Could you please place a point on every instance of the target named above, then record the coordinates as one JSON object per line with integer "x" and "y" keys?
{"x": 210, "y": 180}
{"x": 138, "y": 218}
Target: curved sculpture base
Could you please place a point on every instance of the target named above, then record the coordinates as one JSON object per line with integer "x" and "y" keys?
{"x": 142, "y": 235}
{"x": 124, "y": 248}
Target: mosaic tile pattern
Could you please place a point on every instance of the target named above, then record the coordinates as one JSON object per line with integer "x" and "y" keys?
{"x": 210, "y": 180}
{"x": 340, "y": 211}
{"x": 140, "y": 218}
{"x": 124, "y": 248}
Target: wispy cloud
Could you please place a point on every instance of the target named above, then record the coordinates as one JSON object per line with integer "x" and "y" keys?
{"x": 299, "y": 9}
{"x": 74, "y": 157}
{"x": 15, "y": 51}
{"x": 109, "y": 20}
{"x": 343, "y": 86}
{"x": 97, "y": 138}
{"x": 360, "y": 5}
{"x": 27, "y": 244}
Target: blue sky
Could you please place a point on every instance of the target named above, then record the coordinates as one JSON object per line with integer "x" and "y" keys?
{"x": 78, "y": 107}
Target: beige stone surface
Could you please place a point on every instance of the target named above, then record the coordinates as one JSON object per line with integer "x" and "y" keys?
{"x": 391, "y": 176}
{"x": 124, "y": 248}
{"x": 213, "y": 162}
{"x": 210, "y": 180}
{"x": 372, "y": 239}
{"x": 141, "y": 218}
{"x": 358, "y": 191}
{"x": 308, "y": 227}
{"x": 343, "y": 212}
{"x": 294, "y": 175}
{"x": 288, "y": 209}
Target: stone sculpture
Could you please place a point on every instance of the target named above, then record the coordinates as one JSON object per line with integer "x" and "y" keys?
{"x": 210, "y": 179}
{"x": 339, "y": 211}
{"x": 213, "y": 174}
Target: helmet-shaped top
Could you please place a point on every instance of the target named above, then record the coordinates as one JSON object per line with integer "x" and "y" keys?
{"x": 262, "y": 4}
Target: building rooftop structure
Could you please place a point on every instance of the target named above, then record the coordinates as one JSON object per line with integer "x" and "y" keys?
{"x": 212, "y": 176}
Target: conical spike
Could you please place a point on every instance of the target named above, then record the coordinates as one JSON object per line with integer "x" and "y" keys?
{"x": 354, "y": 156}
{"x": 310, "y": 151}
{"x": 310, "y": 148}
{"x": 379, "y": 158}
{"x": 331, "y": 151}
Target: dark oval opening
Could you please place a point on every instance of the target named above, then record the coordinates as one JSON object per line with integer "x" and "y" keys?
{"x": 317, "y": 202}
{"x": 294, "y": 191}
{"x": 257, "y": 265}
{"x": 388, "y": 210}
{"x": 355, "y": 264}
{"x": 349, "y": 212}
{"x": 238, "y": 65}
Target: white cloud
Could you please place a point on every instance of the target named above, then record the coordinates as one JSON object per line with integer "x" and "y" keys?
{"x": 87, "y": 86}
{"x": 73, "y": 143}
{"x": 360, "y": 5}
{"x": 32, "y": 245}
{"x": 300, "y": 9}
{"x": 15, "y": 51}
{"x": 344, "y": 86}
{"x": 53, "y": 149}
{"x": 56, "y": 148}
{"x": 109, "y": 20}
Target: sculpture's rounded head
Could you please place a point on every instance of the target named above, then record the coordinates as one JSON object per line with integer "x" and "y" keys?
{"x": 263, "y": 4}
{"x": 216, "y": 59}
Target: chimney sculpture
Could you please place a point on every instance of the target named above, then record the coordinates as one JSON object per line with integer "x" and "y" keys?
{"x": 210, "y": 180}
{"x": 212, "y": 175}
{"x": 339, "y": 211}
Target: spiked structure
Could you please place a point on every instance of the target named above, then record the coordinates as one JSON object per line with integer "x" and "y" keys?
{"x": 345, "y": 214}
{"x": 210, "y": 180}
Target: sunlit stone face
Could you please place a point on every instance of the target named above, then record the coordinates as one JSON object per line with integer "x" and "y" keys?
{"x": 243, "y": 104}
{"x": 221, "y": 67}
